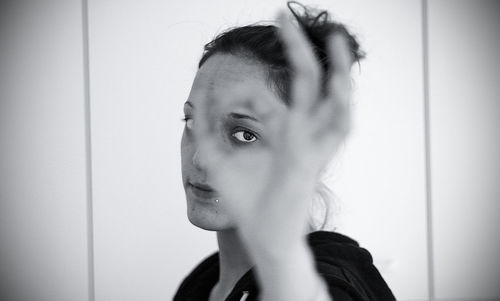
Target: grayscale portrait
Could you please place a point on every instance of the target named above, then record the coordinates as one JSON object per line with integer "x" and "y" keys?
{"x": 340, "y": 150}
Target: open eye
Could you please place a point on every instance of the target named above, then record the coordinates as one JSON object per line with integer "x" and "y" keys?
{"x": 244, "y": 136}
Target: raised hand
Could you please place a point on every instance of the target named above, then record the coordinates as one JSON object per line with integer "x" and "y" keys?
{"x": 270, "y": 200}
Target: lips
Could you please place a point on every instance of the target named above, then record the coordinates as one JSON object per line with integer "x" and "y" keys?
{"x": 202, "y": 190}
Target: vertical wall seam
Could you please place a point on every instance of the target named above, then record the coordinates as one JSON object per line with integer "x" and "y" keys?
{"x": 88, "y": 152}
{"x": 427, "y": 145}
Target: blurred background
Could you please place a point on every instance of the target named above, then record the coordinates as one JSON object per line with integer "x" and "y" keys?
{"x": 91, "y": 92}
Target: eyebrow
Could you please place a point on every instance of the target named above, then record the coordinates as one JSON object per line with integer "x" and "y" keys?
{"x": 235, "y": 115}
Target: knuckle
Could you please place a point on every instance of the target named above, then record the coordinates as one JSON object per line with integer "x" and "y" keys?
{"x": 308, "y": 72}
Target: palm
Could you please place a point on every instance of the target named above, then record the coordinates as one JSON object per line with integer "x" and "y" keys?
{"x": 302, "y": 140}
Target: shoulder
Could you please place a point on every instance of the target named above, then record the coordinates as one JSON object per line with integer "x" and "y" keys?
{"x": 347, "y": 268}
{"x": 197, "y": 285}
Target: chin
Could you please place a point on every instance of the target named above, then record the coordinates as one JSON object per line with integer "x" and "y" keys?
{"x": 207, "y": 217}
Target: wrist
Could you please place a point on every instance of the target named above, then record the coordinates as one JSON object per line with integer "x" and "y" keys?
{"x": 273, "y": 244}
{"x": 290, "y": 275}
{"x": 275, "y": 258}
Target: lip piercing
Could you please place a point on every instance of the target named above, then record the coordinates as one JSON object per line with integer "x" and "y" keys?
{"x": 216, "y": 200}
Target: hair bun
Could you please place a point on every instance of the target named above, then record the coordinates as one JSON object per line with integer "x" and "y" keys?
{"x": 317, "y": 26}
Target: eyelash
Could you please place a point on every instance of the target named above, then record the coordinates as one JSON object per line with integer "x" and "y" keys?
{"x": 186, "y": 118}
{"x": 239, "y": 129}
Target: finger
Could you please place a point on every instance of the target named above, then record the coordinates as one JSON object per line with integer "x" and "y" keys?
{"x": 333, "y": 119}
{"x": 204, "y": 129}
{"x": 306, "y": 84}
{"x": 204, "y": 117}
{"x": 339, "y": 86}
{"x": 333, "y": 115}
{"x": 252, "y": 99}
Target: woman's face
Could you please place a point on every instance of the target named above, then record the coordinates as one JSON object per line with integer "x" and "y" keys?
{"x": 241, "y": 86}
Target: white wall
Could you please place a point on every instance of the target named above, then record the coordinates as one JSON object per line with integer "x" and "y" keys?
{"x": 142, "y": 60}
{"x": 380, "y": 176}
{"x": 43, "y": 222}
{"x": 465, "y": 143}
{"x": 143, "y": 56}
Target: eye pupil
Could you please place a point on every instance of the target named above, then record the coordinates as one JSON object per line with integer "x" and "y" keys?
{"x": 244, "y": 136}
{"x": 247, "y": 136}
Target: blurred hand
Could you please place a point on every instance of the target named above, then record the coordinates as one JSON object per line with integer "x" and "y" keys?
{"x": 271, "y": 204}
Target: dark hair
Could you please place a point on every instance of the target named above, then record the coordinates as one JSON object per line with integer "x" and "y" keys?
{"x": 262, "y": 44}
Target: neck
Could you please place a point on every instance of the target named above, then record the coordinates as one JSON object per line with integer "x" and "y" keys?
{"x": 233, "y": 259}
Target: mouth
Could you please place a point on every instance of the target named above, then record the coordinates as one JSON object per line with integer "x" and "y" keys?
{"x": 201, "y": 190}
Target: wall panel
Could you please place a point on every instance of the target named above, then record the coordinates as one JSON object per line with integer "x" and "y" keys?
{"x": 379, "y": 177}
{"x": 43, "y": 222}
{"x": 465, "y": 144}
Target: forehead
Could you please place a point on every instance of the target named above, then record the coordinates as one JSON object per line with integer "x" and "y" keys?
{"x": 231, "y": 79}
{"x": 222, "y": 70}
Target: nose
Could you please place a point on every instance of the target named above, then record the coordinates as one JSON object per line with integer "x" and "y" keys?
{"x": 196, "y": 159}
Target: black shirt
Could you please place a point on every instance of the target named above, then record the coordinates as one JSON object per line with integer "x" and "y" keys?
{"x": 348, "y": 271}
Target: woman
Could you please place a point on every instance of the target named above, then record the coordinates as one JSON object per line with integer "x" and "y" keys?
{"x": 267, "y": 110}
